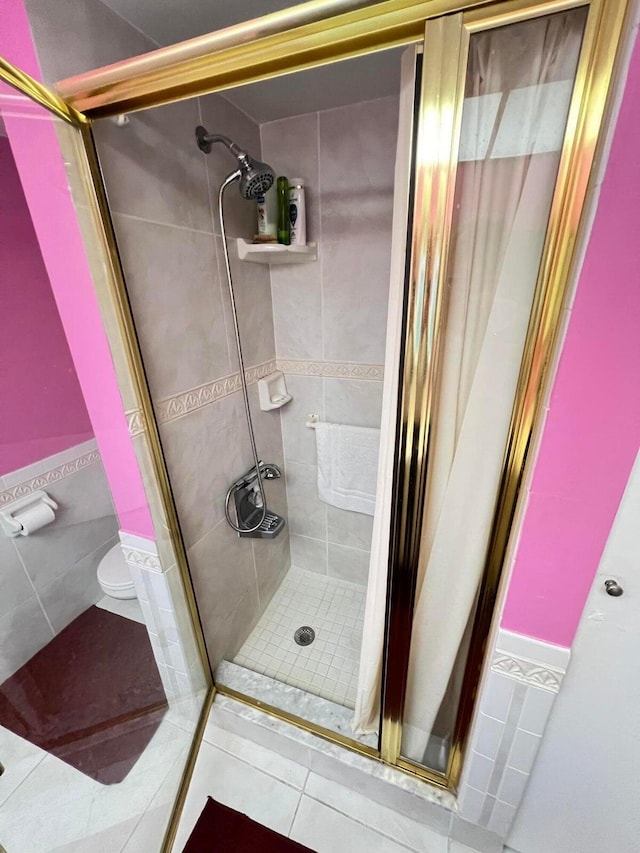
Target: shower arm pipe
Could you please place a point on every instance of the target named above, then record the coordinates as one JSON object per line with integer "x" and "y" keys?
{"x": 230, "y": 179}
{"x": 212, "y": 138}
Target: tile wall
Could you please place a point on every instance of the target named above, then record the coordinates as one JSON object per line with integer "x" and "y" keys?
{"x": 516, "y": 697}
{"x": 49, "y": 577}
{"x": 162, "y": 192}
{"x": 330, "y": 316}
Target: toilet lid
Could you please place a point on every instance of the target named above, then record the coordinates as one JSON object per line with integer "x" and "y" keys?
{"x": 113, "y": 570}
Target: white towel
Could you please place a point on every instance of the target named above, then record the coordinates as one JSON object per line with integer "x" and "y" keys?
{"x": 347, "y": 466}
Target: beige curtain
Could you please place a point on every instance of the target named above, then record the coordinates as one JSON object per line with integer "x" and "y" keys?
{"x": 368, "y": 696}
{"x": 514, "y": 115}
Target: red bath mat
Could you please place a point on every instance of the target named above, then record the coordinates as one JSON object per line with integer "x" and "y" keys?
{"x": 221, "y": 828}
{"x": 92, "y": 696}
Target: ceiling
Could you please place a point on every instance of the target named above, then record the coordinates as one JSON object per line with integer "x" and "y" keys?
{"x": 361, "y": 79}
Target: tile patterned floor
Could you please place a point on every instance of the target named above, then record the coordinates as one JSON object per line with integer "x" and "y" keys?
{"x": 278, "y": 792}
{"x": 329, "y": 666}
{"x": 47, "y": 806}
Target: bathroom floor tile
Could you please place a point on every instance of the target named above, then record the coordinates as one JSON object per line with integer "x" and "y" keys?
{"x": 240, "y": 786}
{"x": 327, "y": 831}
{"x": 66, "y": 811}
{"x": 386, "y": 821}
{"x": 19, "y": 758}
{"x": 329, "y": 666}
{"x": 127, "y": 607}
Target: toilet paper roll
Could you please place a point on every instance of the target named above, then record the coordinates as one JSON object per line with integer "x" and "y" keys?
{"x": 34, "y": 517}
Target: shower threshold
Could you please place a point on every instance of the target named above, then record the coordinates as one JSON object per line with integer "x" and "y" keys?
{"x": 292, "y": 700}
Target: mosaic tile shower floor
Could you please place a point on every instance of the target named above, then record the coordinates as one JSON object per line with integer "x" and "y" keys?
{"x": 329, "y": 666}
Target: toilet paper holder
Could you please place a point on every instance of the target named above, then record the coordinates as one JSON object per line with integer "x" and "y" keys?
{"x": 12, "y": 526}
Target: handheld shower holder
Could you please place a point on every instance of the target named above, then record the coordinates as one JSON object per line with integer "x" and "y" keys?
{"x": 245, "y": 493}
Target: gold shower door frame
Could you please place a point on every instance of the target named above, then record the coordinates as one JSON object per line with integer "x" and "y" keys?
{"x": 317, "y": 33}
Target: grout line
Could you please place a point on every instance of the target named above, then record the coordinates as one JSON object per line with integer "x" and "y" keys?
{"x": 237, "y": 757}
{"x": 295, "y": 814}
{"x": 35, "y": 591}
{"x": 319, "y": 238}
{"x": 217, "y": 241}
{"x": 368, "y": 826}
{"x": 171, "y": 225}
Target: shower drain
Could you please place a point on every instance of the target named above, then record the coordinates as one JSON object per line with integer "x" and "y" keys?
{"x": 304, "y": 636}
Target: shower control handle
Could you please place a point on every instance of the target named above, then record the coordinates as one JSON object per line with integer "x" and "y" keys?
{"x": 613, "y": 588}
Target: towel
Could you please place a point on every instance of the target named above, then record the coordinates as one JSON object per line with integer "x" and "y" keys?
{"x": 347, "y": 466}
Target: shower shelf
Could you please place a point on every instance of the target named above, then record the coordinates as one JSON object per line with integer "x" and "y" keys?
{"x": 275, "y": 253}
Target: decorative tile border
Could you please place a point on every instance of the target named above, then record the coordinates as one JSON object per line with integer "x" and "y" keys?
{"x": 47, "y": 478}
{"x": 333, "y": 369}
{"x": 514, "y": 706}
{"x": 195, "y": 398}
{"x": 135, "y": 558}
{"x": 527, "y": 671}
{"x": 135, "y": 422}
{"x": 203, "y": 395}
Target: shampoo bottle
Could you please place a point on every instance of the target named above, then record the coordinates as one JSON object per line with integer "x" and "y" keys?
{"x": 284, "y": 235}
{"x": 267, "y": 217}
{"x": 297, "y": 212}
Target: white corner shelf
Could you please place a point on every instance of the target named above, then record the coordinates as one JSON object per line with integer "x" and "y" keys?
{"x": 275, "y": 253}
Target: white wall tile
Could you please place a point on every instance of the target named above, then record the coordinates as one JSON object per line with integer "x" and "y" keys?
{"x": 501, "y": 818}
{"x": 497, "y": 695}
{"x": 470, "y": 804}
{"x": 514, "y": 704}
{"x": 479, "y": 771}
{"x": 488, "y": 736}
{"x": 523, "y": 752}
{"x": 536, "y": 710}
{"x": 512, "y": 787}
{"x": 531, "y": 649}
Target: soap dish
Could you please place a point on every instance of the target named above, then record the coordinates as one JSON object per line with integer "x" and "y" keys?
{"x": 272, "y": 391}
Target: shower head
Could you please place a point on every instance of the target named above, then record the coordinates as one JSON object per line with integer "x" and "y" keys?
{"x": 255, "y": 177}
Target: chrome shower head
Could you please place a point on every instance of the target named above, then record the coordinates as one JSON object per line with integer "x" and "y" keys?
{"x": 255, "y": 177}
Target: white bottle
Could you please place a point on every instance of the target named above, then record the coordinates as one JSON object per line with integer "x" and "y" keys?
{"x": 297, "y": 212}
{"x": 267, "y": 217}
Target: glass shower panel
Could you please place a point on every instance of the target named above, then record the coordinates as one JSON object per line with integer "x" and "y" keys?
{"x": 95, "y": 722}
{"x": 519, "y": 83}
{"x": 282, "y": 615}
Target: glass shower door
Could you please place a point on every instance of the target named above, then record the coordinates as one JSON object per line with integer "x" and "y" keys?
{"x": 101, "y": 686}
{"x": 518, "y": 86}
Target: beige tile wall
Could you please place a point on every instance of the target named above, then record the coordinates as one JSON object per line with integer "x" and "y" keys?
{"x": 334, "y": 310}
{"x": 163, "y": 196}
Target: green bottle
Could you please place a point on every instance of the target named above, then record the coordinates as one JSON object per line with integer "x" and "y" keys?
{"x": 284, "y": 226}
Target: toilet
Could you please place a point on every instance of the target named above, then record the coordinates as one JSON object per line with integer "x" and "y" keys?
{"x": 114, "y": 576}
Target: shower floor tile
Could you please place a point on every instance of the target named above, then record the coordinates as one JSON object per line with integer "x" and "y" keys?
{"x": 329, "y": 666}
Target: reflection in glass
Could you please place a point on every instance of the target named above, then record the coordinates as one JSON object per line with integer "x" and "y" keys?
{"x": 518, "y": 89}
{"x": 95, "y": 720}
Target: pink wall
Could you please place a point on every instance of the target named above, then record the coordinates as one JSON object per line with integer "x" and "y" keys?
{"x": 46, "y": 412}
{"x": 592, "y": 433}
{"x": 44, "y": 181}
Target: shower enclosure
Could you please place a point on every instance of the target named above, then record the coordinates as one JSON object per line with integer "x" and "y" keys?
{"x": 413, "y": 334}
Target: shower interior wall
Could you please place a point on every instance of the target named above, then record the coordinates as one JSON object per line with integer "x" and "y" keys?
{"x": 323, "y": 322}
{"x": 330, "y": 317}
{"x": 162, "y": 193}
